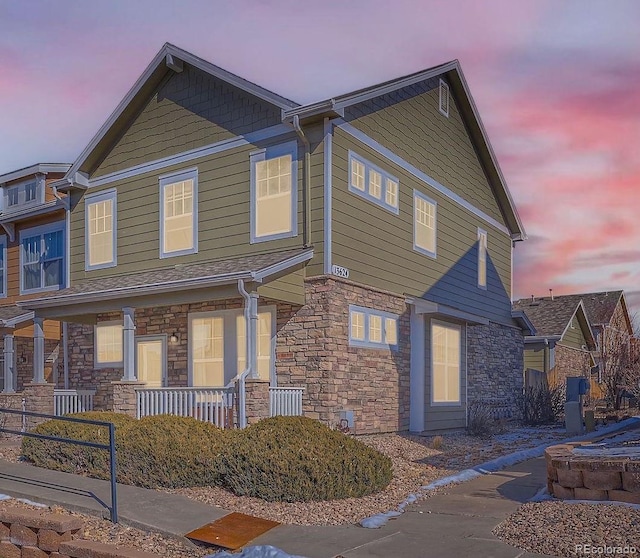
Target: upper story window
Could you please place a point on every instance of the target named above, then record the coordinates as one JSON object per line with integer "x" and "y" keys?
{"x": 274, "y": 180}
{"x": 25, "y": 193}
{"x": 424, "y": 224}
{"x": 100, "y": 227}
{"x": 42, "y": 258}
{"x": 372, "y": 328}
{"x": 373, "y": 183}
{"x": 179, "y": 213}
{"x": 482, "y": 259}
{"x": 3, "y": 266}
{"x": 443, "y": 103}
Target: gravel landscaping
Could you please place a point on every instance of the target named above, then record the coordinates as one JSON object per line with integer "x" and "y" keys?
{"x": 565, "y": 529}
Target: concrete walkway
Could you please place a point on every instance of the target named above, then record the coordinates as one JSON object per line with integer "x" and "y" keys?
{"x": 458, "y": 523}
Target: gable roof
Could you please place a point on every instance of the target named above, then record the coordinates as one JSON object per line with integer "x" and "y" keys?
{"x": 38, "y": 168}
{"x": 552, "y": 316}
{"x": 171, "y": 58}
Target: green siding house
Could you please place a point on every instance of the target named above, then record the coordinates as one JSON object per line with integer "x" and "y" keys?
{"x": 234, "y": 254}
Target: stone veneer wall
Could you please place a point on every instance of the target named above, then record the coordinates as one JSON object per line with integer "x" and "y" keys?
{"x": 23, "y": 347}
{"x": 313, "y": 351}
{"x": 569, "y": 362}
{"x": 494, "y": 366}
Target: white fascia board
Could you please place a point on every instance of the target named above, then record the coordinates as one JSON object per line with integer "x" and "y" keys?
{"x": 40, "y": 168}
{"x": 13, "y": 322}
{"x": 140, "y": 290}
{"x": 428, "y": 307}
{"x": 266, "y": 272}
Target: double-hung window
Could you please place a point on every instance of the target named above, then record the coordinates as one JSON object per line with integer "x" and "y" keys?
{"x": 482, "y": 259}
{"x": 372, "y": 328}
{"x": 42, "y": 258}
{"x": 446, "y": 363}
{"x": 179, "y": 213}
{"x": 108, "y": 345}
{"x": 29, "y": 192}
{"x": 274, "y": 187}
{"x": 373, "y": 183}
{"x": 100, "y": 227}
{"x": 424, "y": 224}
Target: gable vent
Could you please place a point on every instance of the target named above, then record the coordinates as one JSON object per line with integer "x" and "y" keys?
{"x": 444, "y": 98}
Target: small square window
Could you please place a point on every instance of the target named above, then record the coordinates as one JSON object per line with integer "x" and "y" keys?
{"x": 391, "y": 331}
{"x": 391, "y": 195}
{"x": 357, "y": 326}
{"x": 357, "y": 174}
{"x": 375, "y": 329}
{"x": 372, "y": 329}
{"x": 375, "y": 184}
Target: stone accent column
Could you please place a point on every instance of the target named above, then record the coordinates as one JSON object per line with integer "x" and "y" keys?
{"x": 11, "y": 401}
{"x": 39, "y": 399}
{"x": 122, "y": 396}
{"x": 9, "y": 364}
{"x": 38, "y": 351}
{"x": 128, "y": 345}
{"x": 257, "y": 399}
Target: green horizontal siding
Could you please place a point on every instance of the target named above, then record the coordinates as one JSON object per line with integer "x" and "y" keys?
{"x": 534, "y": 358}
{"x": 409, "y": 123}
{"x": 377, "y": 245}
{"x": 574, "y": 337}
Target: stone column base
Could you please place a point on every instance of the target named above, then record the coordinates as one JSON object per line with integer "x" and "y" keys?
{"x": 11, "y": 401}
{"x": 39, "y": 399}
{"x": 256, "y": 400}
{"x": 121, "y": 397}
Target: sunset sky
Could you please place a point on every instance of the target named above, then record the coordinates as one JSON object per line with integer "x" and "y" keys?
{"x": 557, "y": 84}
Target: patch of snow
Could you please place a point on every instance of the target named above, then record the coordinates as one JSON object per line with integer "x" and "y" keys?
{"x": 541, "y": 496}
{"x": 4, "y": 497}
{"x": 380, "y": 519}
{"x": 23, "y": 500}
{"x": 262, "y": 551}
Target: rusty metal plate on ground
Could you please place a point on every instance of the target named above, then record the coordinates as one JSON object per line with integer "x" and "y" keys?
{"x": 232, "y": 531}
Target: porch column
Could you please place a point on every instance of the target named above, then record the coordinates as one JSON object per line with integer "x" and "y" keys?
{"x": 38, "y": 351}
{"x": 253, "y": 334}
{"x": 417, "y": 372}
{"x": 9, "y": 366}
{"x": 128, "y": 345}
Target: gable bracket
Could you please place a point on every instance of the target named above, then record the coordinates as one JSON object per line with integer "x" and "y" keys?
{"x": 173, "y": 63}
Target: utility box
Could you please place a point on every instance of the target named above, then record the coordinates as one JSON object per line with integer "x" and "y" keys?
{"x": 577, "y": 388}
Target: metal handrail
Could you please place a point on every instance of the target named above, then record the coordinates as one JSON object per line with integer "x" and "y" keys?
{"x": 111, "y": 446}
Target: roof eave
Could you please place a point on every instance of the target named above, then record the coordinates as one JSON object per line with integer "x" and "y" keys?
{"x": 40, "y": 168}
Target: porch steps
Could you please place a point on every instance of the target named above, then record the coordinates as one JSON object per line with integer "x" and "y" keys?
{"x": 233, "y": 531}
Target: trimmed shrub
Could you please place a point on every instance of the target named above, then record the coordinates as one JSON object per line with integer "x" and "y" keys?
{"x": 295, "y": 459}
{"x": 72, "y": 458}
{"x": 162, "y": 451}
{"x": 171, "y": 452}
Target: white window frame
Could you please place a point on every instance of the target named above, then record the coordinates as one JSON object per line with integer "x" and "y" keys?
{"x": 5, "y": 269}
{"x": 419, "y": 195}
{"x": 21, "y": 189}
{"x": 93, "y": 199}
{"x": 162, "y": 338}
{"x": 483, "y": 252}
{"x": 112, "y": 364}
{"x": 230, "y": 353}
{"x": 366, "y": 343}
{"x": 444, "y": 98}
{"x": 385, "y": 176}
{"x": 168, "y": 180}
{"x": 41, "y": 231}
{"x": 273, "y": 152}
{"x": 457, "y": 327}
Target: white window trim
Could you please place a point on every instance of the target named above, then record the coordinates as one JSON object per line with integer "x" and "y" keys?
{"x": 368, "y": 167}
{"x": 462, "y": 365}
{"x": 417, "y": 194}
{"x": 442, "y": 90}
{"x": 115, "y": 364}
{"x": 365, "y": 343}
{"x": 97, "y": 198}
{"x": 5, "y": 269}
{"x": 167, "y": 180}
{"x": 229, "y": 316}
{"x": 273, "y": 152}
{"x": 41, "y": 230}
{"x": 40, "y": 195}
{"x": 163, "y": 339}
{"x": 482, "y": 233}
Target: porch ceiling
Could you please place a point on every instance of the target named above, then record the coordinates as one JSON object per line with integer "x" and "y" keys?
{"x": 178, "y": 284}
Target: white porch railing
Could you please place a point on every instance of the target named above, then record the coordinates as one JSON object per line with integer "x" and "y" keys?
{"x": 214, "y": 405}
{"x": 285, "y": 401}
{"x": 66, "y": 401}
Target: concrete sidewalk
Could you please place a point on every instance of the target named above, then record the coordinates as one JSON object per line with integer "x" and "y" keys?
{"x": 458, "y": 523}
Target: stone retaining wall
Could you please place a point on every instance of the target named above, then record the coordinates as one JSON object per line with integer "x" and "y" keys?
{"x": 577, "y": 477}
{"x": 26, "y": 533}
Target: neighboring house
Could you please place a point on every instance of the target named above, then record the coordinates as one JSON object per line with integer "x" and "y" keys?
{"x": 33, "y": 262}
{"x": 563, "y": 342}
{"x": 359, "y": 248}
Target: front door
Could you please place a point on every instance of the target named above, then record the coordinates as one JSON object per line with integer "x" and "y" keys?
{"x": 151, "y": 358}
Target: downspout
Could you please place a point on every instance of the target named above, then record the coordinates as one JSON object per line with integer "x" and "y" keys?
{"x": 67, "y": 281}
{"x": 249, "y": 361}
{"x": 306, "y": 183}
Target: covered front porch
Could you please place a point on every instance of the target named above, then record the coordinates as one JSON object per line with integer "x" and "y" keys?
{"x": 201, "y": 345}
